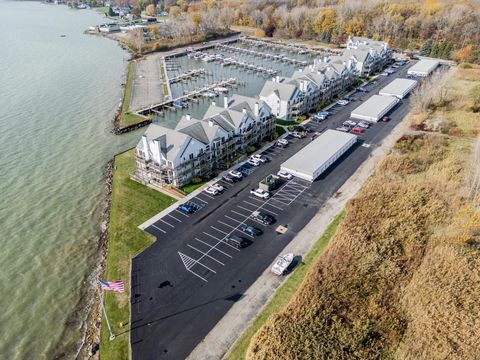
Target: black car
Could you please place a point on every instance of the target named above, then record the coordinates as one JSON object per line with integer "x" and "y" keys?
{"x": 251, "y": 230}
{"x": 228, "y": 179}
{"x": 262, "y": 217}
{"x": 237, "y": 241}
{"x": 305, "y": 128}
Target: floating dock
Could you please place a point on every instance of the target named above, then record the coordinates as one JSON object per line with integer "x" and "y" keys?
{"x": 188, "y": 75}
{"x": 191, "y": 96}
{"x": 265, "y": 55}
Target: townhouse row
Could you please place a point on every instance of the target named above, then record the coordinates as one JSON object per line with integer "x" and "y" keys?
{"x": 198, "y": 147}
{"x": 325, "y": 79}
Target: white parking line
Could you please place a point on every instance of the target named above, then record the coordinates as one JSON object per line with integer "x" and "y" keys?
{"x": 208, "y": 196}
{"x": 213, "y": 247}
{"x": 256, "y": 199}
{"x": 230, "y": 226}
{"x": 201, "y": 252}
{"x": 182, "y": 213}
{"x": 156, "y": 227}
{"x": 244, "y": 208}
{"x": 221, "y": 241}
{"x": 212, "y": 236}
{"x": 167, "y": 223}
{"x": 223, "y": 232}
{"x": 236, "y": 212}
{"x": 173, "y": 217}
{"x": 233, "y": 219}
{"x": 276, "y": 207}
{"x": 197, "y": 198}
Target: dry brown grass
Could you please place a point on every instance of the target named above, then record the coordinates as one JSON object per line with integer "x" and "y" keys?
{"x": 401, "y": 278}
{"x": 447, "y": 103}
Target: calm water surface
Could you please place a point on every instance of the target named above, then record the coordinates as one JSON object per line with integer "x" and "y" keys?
{"x": 58, "y": 96}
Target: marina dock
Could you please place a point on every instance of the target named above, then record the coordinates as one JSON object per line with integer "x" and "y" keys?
{"x": 191, "y": 96}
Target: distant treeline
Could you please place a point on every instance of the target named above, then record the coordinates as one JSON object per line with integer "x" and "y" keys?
{"x": 444, "y": 29}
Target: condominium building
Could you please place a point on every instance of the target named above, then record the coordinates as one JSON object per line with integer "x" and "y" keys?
{"x": 195, "y": 148}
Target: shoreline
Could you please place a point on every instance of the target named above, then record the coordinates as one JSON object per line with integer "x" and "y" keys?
{"x": 91, "y": 333}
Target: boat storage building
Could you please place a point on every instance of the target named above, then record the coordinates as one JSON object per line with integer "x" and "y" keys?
{"x": 423, "y": 67}
{"x": 316, "y": 157}
{"x": 399, "y": 88}
{"x": 375, "y": 108}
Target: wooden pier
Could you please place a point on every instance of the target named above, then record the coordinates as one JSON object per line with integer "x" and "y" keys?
{"x": 187, "y": 75}
{"x": 274, "y": 57}
{"x": 192, "y": 96}
{"x": 300, "y": 49}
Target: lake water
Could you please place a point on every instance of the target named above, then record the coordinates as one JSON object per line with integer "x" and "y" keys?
{"x": 58, "y": 98}
{"x": 251, "y": 82}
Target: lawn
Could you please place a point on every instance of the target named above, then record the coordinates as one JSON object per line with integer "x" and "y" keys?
{"x": 132, "y": 204}
{"x": 188, "y": 189}
{"x": 126, "y": 117}
{"x": 285, "y": 122}
{"x": 285, "y": 292}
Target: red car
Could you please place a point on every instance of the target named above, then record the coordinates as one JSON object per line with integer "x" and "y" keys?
{"x": 358, "y": 130}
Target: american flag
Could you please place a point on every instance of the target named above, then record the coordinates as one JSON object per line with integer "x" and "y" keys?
{"x": 116, "y": 285}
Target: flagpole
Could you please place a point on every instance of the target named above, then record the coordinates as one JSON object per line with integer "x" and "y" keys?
{"x": 112, "y": 335}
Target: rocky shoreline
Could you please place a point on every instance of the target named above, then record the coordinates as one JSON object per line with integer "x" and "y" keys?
{"x": 91, "y": 339}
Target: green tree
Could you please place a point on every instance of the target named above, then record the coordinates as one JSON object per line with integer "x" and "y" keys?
{"x": 426, "y": 48}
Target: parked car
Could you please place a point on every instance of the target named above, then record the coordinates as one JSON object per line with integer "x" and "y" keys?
{"x": 410, "y": 76}
{"x": 282, "y": 141}
{"x": 386, "y": 119}
{"x": 348, "y": 123}
{"x": 342, "y": 102}
{"x": 211, "y": 191}
{"x": 282, "y": 263}
{"x": 254, "y": 162}
{"x": 260, "y": 158}
{"x": 363, "y": 124}
{"x": 237, "y": 241}
{"x": 284, "y": 175}
{"x": 383, "y": 73}
{"x": 298, "y": 134}
{"x": 358, "y": 130}
{"x": 305, "y": 128}
{"x": 362, "y": 89}
{"x": 343, "y": 128}
{"x": 186, "y": 209}
{"x": 236, "y": 174}
{"x": 260, "y": 193}
{"x": 228, "y": 179}
{"x": 218, "y": 187}
{"x": 280, "y": 145}
{"x": 251, "y": 230}
{"x": 262, "y": 217}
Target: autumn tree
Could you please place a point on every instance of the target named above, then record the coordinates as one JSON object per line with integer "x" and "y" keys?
{"x": 150, "y": 10}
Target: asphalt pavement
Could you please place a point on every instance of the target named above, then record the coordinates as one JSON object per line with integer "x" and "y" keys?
{"x": 188, "y": 279}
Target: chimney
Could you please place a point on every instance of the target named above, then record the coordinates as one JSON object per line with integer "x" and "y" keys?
{"x": 210, "y": 123}
{"x": 158, "y": 148}
{"x": 256, "y": 110}
{"x": 244, "y": 110}
{"x": 214, "y": 103}
{"x": 277, "y": 78}
{"x": 189, "y": 117}
{"x": 146, "y": 149}
{"x": 225, "y": 102}
{"x": 325, "y": 59}
{"x": 274, "y": 79}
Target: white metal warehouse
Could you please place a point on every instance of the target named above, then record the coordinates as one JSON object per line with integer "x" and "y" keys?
{"x": 317, "y": 156}
{"x": 399, "y": 88}
{"x": 375, "y": 108}
{"x": 423, "y": 67}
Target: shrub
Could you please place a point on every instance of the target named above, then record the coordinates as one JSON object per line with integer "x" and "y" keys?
{"x": 250, "y": 149}
{"x": 196, "y": 180}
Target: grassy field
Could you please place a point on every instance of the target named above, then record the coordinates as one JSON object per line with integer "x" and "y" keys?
{"x": 397, "y": 279}
{"x": 285, "y": 292}
{"x": 188, "y": 189}
{"x": 132, "y": 204}
{"x": 127, "y": 118}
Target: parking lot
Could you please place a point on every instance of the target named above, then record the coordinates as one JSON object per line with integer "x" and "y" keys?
{"x": 189, "y": 278}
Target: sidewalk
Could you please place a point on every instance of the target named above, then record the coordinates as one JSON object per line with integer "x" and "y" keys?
{"x": 221, "y": 338}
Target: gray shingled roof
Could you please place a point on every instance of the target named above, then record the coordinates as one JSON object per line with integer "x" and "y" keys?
{"x": 170, "y": 140}
{"x": 283, "y": 90}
